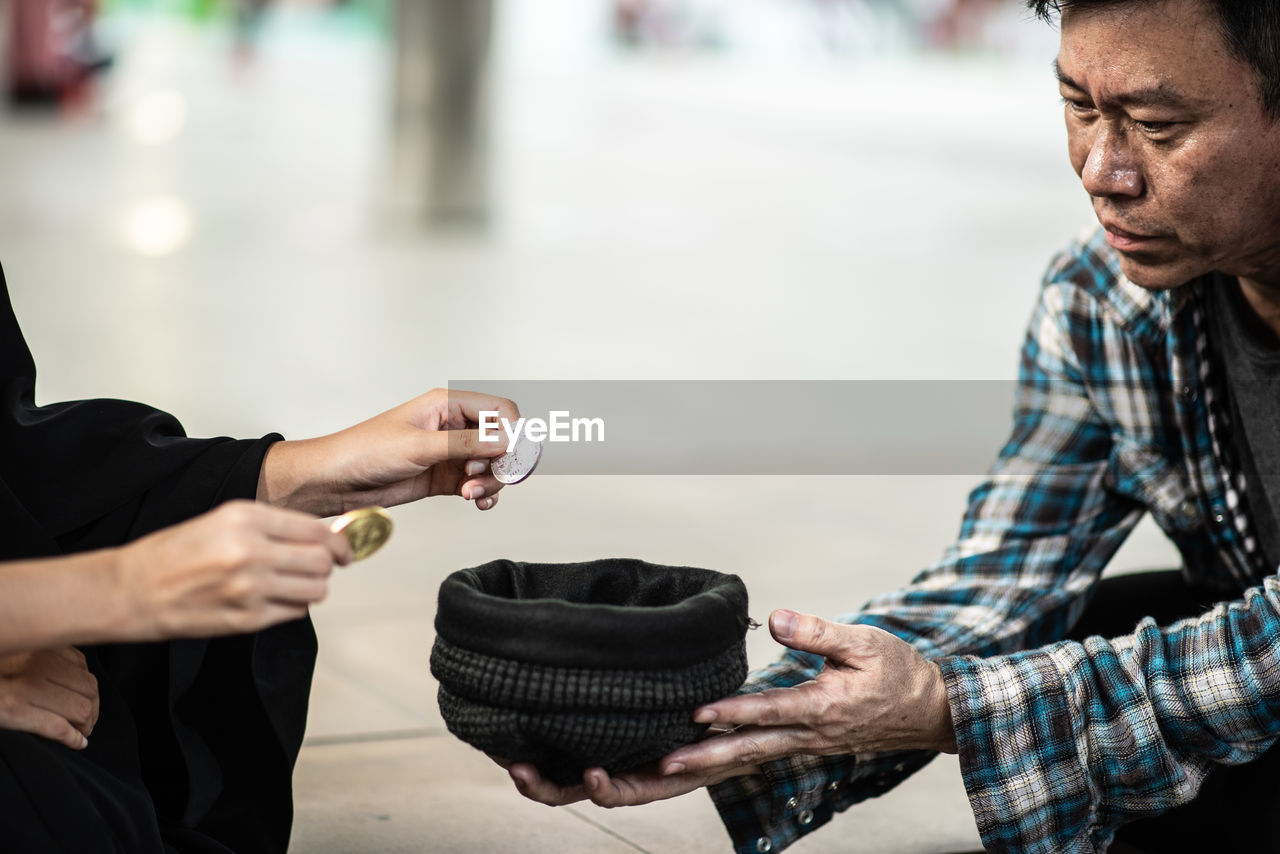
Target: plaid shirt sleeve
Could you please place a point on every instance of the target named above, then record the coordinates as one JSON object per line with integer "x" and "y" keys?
{"x": 1034, "y": 539}
{"x": 1060, "y": 746}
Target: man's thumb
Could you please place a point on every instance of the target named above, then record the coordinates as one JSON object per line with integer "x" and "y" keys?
{"x": 808, "y": 634}
{"x": 804, "y": 632}
{"x": 782, "y": 623}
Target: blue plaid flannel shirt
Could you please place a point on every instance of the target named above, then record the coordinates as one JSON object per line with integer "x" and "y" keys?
{"x": 1117, "y": 414}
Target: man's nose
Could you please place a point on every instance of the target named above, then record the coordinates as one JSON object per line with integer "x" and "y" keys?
{"x": 1110, "y": 168}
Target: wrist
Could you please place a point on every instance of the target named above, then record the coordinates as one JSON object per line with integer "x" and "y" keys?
{"x": 943, "y": 730}
{"x": 125, "y": 613}
{"x": 287, "y": 478}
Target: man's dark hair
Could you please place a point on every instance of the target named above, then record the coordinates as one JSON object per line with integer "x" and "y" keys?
{"x": 1250, "y": 29}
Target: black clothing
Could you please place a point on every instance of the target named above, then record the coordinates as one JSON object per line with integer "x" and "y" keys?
{"x": 196, "y": 739}
{"x": 1251, "y": 361}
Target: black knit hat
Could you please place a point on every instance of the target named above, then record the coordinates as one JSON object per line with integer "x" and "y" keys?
{"x": 571, "y": 666}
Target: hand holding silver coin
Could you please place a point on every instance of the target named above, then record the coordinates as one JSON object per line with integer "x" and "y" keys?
{"x": 428, "y": 446}
{"x": 518, "y": 463}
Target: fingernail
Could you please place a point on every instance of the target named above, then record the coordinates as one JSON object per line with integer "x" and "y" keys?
{"x": 592, "y": 782}
{"x": 783, "y": 623}
{"x": 704, "y": 716}
{"x": 84, "y": 742}
{"x": 476, "y": 492}
{"x": 484, "y": 503}
{"x": 674, "y": 768}
{"x": 517, "y": 780}
{"x": 476, "y": 467}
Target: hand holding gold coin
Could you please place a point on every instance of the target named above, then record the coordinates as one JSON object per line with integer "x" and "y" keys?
{"x": 367, "y": 529}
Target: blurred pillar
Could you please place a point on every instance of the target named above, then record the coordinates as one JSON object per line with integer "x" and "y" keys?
{"x": 441, "y": 109}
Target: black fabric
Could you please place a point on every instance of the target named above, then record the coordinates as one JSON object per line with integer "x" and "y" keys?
{"x": 563, "y": 744}
{"x": 59, "y": 800}
{"x": 196, "y": 739}
{"x": 570, "y": 666}
{"x": 537, "y": 687}
{"x": 1251, "y": 360}
{"x": 614, "y": 612}
{"x": 1236, "y": 807}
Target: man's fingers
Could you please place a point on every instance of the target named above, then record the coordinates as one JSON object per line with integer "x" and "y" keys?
{"x": 605, "y": 791}
{"x": 532, "y": 785}
{"x": 750, "y": 746}
{"x": 632, "y": 788}
{"x": 800, "y": 704}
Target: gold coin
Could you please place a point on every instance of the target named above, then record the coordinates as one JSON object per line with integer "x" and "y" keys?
{"x": 367, "y": 529}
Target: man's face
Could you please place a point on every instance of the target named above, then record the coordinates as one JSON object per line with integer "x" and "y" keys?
{"x": 1168, "y": 135}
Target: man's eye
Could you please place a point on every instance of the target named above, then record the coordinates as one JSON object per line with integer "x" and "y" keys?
{"x": 1076, "y": 106}
{"x": 1153, "y": 127}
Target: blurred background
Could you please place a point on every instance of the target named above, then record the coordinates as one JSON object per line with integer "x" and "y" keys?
{"x": 290, "y": 216}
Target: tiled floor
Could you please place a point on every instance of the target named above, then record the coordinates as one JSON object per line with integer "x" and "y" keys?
{"x": 683, "y": 218}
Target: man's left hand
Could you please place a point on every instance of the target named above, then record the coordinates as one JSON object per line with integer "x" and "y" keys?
{"x": 875, "y": 693}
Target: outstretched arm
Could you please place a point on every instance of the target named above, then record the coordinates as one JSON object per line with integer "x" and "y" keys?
{"x": 428, "y": 446}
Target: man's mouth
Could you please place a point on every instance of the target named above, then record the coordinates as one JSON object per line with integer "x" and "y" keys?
{"x": 1125, "y": 240}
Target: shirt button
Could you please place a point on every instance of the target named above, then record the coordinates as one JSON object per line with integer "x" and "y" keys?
{"x": 1188, "y": 512}
{"x": 792, "y": 803}
{"x": 1187, "y": 393}
{"x": 764, "y": 845}
{"x": 806, "y": 817}
{"x": 833, "y": 785}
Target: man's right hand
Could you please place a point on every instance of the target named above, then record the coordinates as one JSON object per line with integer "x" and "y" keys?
{"x": 627, "y": 789}
{"x": 239, "y": 568}
{"x": 49, "y": 693}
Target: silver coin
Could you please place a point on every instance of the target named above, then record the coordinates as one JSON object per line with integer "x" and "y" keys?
{"x": 515, "y": 466}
